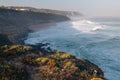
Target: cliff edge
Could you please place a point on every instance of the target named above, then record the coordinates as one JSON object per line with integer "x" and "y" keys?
{"x": 15, "y": 23}
{"x": 25, "y": 62}
{"x": 33, "y": 62}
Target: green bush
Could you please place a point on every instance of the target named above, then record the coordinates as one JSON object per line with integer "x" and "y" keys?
{"x": 97, "y": 79}
{"x": 61, "y": 55}
{"x": 9, "y": 71}
{"x": 46, "y": 61}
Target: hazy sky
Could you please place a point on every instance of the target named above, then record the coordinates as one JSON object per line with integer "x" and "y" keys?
{"x": 87, "y": 7}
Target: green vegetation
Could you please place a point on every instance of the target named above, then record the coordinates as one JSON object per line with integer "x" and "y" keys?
{"x": 96, "y": 79}
{"x": 29, "y": 60}
{"x": 46, "y": 61}
{"x": 9, "y": 71}
{"x": 61, "y": 55}
{"x": 14, "y": 50}
{"x": 69, "y": 64}
{"x": 18, "y": 48}
{"x": 16, "y": 61}
{"x": 22, "y": 62}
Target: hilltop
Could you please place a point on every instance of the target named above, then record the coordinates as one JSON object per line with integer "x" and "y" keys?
{"x": 34, "y": 62}
{"x": 23, "y": 62}
{"x": 59, "y": 12}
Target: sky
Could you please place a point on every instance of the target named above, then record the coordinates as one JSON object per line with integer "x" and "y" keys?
{"x": 87, "y": 7}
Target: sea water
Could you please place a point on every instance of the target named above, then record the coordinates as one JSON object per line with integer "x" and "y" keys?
{"x": 95, "y": 39}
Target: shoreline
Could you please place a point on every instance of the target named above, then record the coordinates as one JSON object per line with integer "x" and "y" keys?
{"x": 34, "y": 28}
{"x": 18, "y": 32}
{"x": 76, "y": 66}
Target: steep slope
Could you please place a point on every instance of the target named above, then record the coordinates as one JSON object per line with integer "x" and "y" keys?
{"x": 35, "y": 63}
{"x": 15, "y": 23}
{"x": 4, "y": 40}
{"x": 29, "y": 62}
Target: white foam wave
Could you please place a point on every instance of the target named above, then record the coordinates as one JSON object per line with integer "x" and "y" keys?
{"x": 98, "y": 28}
{"x": 87, "y": 26}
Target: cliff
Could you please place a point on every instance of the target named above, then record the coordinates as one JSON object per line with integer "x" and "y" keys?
{"x": 15, "y": 23}
{"x": 29, "y": 62}
{"x": 4, "y": 40}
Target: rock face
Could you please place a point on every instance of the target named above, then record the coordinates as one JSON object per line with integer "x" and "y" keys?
{"x": 4, "y": 40}
{"x": 14, "y": 23}
{"x": 40, "y": 64}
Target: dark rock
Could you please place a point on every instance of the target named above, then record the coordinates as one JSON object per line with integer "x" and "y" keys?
{"x": 4, "y": 40}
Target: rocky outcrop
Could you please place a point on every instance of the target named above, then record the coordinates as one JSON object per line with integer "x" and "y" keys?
{"x": 40, "y": 64}
{"x": 4, "y": 40}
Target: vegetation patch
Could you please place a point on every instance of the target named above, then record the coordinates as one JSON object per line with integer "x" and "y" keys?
{"x": 17, "y": 62}
{"x": 9, "y": 71}
{"x": 97, "y": 79}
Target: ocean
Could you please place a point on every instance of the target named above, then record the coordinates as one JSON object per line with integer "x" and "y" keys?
{"x": 95, "y": 39}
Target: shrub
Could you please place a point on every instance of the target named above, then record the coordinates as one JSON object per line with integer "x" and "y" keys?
{"x": 9, "y": 71}
{"x": 65, "y": 55}
{"x": 97, "y": 79}
{"x": 46, "y": 61}
{"x": 61, "y": 55}
{"x": 18, "y": 48}
{"x": 85, "y": 73}
{"x": 68, "y": 64}
{"x": 13, "y": 51}
{"x": 42, "y": 60}
{"x": 52, "y": 62}
{"x": 29, "y": 60}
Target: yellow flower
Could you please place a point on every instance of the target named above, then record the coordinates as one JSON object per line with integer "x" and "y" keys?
{"x": 97, "y": 79}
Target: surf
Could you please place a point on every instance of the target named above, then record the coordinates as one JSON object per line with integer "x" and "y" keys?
{"x": 87, "y": 26}
{"x": 85, "y": 38}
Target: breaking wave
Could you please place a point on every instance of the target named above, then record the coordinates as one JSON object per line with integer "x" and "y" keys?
{"x": 87, "y": 26}
{"x": 93, "y": 40}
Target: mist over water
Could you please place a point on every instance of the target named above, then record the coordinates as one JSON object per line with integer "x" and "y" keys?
{"x": 95, "y": 39}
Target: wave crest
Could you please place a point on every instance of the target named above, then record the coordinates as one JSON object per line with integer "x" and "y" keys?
{"x": 87, "y": 26}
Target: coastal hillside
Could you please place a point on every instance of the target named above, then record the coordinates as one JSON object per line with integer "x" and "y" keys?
{"x": 37, "y": 62}
{"x": 59, "y": 12}
{"x": 25, "y": 62}
{"x": 15, "y": 23}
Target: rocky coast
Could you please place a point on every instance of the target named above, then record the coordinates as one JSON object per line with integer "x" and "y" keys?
{"x": 33, "y": 62}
